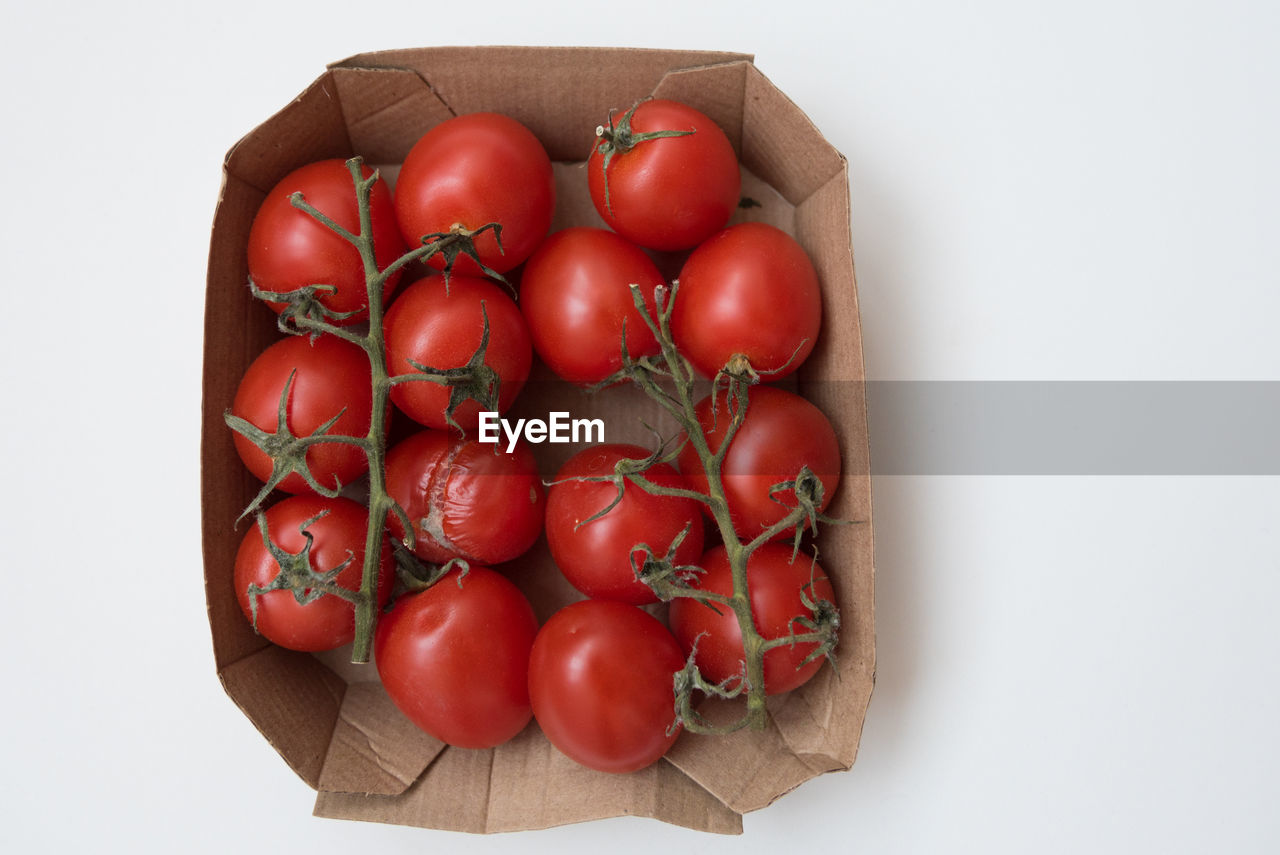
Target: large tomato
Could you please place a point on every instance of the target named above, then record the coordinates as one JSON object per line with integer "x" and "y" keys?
{"x": 750, "y": 290}
{"x": 575, "y": 293}
{"x": 337, "y": 536}
{"x": 596, "y": 556}
{"x": 330, "y": 377}
{"x": 778, "y": 588}
{"x": 290, "y": 249}
{"x": 465, "y": 499}
{"x": 781, "y": 433}
{"x": 472, "y": 170}
{"x": 666, "y": 193}
{"x": 600, "y": 679}
{"x": 441, "y": 327}
{"x": 455, "y": 657}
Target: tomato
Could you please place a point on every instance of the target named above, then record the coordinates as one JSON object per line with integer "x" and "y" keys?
{"x": 472, "y": 170}
{"x": 289, "y": 249}
{"x": 455, "y": 657}
{"x": 666, "y": 193}
{"x": 750, "y": 289}
{"x": 575, "y": 294}
{"x": 781, "y": 433}
{"x": 600, "y": 679}
{"x": 330, "y": 377}
{"x": 465, "y": 499}
{"x": 441, "y": 328}
{"x": 777, "y": 585}
{"x": 596, "y": 557}
{"x": 338, "y": 536}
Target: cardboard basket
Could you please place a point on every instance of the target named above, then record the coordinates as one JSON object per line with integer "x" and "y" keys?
{"x": 331, "y": 721}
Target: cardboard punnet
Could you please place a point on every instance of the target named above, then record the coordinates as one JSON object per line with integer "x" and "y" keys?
{"x": 331, "y": 721}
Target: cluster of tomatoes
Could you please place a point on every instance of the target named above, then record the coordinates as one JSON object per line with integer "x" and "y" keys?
{"x": 465, "y": 658}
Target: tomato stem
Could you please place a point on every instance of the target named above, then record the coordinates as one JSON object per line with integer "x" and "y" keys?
{"x": 379, "y": 501}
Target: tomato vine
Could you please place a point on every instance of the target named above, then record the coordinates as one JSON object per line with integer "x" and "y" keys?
{"x": 303, "y": 315}
{"x": 668, "y": 378}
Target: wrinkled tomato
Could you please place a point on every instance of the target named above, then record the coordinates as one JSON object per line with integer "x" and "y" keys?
{"x": 465, "y": 499}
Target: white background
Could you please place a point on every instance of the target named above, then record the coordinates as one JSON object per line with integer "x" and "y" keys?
{"x": 1080, "y": 190}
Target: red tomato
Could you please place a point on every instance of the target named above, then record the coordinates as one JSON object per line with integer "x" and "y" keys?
{"x": 472, "y": 170}
{"x": 338, "y": 536}
{"x": 455, "y": 658}
{"x": 750, "y": 289}
{"x": 465, "y": 499}
{"x": 776, "y": 584}
{"x": 330, "y": 376}
{"x": 441, "y": 328}
{"x": 596, "y": 557}
{"x": 781, "y": 433}
{"x": 575, "y": 294}
{"x": 667, "y": 193}
{"x": 600, "y": 678}
{"x": 289, "y": 249}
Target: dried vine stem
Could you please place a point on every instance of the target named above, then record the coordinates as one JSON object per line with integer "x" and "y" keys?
{"x": 304, "y": 315}
{"x": 668, "y": 379}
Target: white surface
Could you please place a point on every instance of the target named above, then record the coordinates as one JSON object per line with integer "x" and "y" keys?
{"x": 1065, "y": 664}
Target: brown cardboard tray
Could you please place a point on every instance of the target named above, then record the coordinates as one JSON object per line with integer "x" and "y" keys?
{"x": 331, "y": 721}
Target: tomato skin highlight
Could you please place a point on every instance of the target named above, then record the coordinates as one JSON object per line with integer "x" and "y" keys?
{"x": 750, "y": 289}
{"x": 596, "y": 557}
{"x": 455, "y": 657}
{"x": 776, "y": 583}
{"x": 668, "y": 193}
{"x": 339, "y": 535}
{"x": 465, "y": 499}
{"x": 781, "y": 433}
{"x": 600, "y": 680}
{"x": 289, "y": 249}
{"x": 575, "y": 296}
{"x": 472, "y": 170}
{"x": 329, "y": 376}
{"x": 441, "y": 328}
